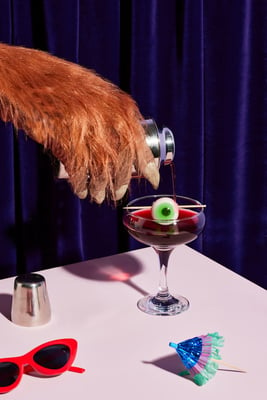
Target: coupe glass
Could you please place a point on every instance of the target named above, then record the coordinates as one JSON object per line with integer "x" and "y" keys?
{"x": 163, "y": 237}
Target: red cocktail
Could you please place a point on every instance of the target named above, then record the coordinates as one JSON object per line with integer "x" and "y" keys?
{"x": 164, "y": 232}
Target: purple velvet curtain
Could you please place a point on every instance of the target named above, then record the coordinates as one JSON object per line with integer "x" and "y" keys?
{"x": 196, "y": 66}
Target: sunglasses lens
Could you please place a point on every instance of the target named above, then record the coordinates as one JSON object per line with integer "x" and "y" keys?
{"x": 9, "y": 373}
{"x": 53, "y": 357}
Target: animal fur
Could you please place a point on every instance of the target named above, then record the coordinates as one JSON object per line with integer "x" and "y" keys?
{"x": 88, "y": 123}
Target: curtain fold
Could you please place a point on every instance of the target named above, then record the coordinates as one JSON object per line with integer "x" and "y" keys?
{"x": 235, "y": 173}
{"x": 198, "y": 67}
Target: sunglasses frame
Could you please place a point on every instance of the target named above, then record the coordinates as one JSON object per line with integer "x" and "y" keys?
{"x": 26, "y": 363}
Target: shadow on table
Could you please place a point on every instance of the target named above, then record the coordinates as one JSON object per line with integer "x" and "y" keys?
{"x": 5, "y": 305}
{"x": 122, "y": 269}
{"x": 174, "y": 364}
{"x": 171, "y": 363}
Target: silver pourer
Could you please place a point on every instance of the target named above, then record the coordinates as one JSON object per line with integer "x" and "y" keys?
{"x": 161, "y": 144}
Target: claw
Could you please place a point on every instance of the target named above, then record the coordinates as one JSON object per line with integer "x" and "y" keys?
{"x": 151, "y": 173}
{"x": 99, "y": 197}
{"x": 121, "y": 192}
{"x": 83, "y": 194}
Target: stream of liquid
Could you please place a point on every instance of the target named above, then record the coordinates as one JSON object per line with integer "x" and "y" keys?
{"x": 171, "y": 165}
{"x": 173, "y": 179}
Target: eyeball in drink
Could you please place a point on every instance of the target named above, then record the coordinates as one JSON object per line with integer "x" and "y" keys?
{"x": 165, "y": 210}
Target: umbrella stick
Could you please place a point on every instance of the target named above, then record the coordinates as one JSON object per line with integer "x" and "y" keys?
{"x": 179, "y": 205}
{"x": 228, "y": 365}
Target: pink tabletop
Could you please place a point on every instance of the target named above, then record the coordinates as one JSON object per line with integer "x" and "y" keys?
{"x": 124, "y": 351}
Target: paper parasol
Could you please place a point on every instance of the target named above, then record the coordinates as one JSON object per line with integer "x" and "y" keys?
{"x": 198, "y": 355}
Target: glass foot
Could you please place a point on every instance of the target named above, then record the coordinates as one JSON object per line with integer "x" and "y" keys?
{"x": 169, "y": 306}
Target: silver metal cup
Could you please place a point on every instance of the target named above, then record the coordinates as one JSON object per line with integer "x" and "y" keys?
{"x": 30, "y": 302}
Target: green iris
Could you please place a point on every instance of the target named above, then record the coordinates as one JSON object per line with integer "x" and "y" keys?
{"x": 164, "y": 209}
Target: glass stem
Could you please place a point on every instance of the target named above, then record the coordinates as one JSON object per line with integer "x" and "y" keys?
{"x": 163, "y": 291}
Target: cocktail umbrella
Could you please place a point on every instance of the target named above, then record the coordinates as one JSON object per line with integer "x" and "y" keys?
{"x": 198, "y": 356}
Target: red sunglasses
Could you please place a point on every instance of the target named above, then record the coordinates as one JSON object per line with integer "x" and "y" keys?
{"x": 50, "y": 359}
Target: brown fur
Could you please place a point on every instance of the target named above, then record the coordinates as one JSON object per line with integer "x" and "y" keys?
{"x": 88, "y": 123}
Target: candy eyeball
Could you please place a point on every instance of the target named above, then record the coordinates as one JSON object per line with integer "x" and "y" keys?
{"x": 164, "y": 210}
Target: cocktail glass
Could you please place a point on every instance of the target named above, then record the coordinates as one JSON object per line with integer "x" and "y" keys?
{"x": 163, "y": 237}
